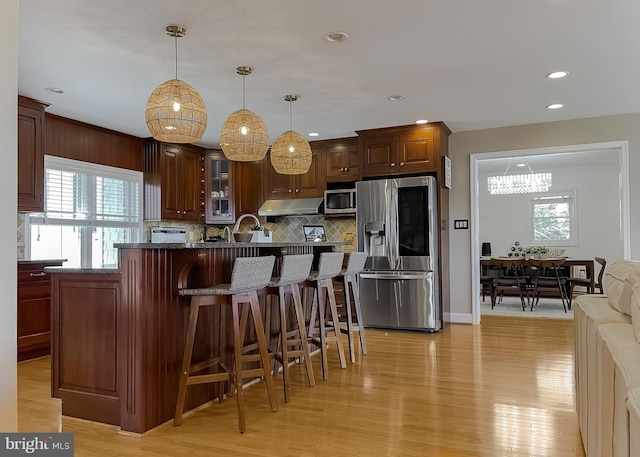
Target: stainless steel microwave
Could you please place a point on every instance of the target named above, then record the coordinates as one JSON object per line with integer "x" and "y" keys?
{"x": 340, "y": 201}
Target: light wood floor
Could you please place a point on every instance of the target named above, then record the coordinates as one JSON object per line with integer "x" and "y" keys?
{"x": 504, "y": 388}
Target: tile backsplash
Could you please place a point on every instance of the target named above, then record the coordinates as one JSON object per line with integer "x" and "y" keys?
{"x": 287, "y": 229}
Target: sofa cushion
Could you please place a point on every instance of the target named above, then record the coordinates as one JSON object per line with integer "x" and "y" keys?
{"x": 590, "y": 312}
{"x": 620, "y": 372}
{"x": 618, "y": 282}
{"x": 635, "y": 310}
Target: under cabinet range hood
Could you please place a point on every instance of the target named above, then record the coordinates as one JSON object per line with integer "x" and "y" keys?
{"x": 291, "y": 207}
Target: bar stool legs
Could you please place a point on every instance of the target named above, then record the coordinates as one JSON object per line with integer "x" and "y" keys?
{"x": 358, "y": 326}
{"x": 249, "y": 275}
{"x": 292, "y": 343}
{"x": 327, "y": 324}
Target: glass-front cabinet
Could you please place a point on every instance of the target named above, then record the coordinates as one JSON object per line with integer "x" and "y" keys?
{"x": 219, "y": 189}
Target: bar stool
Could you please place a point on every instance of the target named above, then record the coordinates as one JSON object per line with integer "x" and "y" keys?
{"x": 329, "y": 266}
{"x": 293, "y": 270}
{"x": 349, "y": 275}
{"x": 249, "y": 275}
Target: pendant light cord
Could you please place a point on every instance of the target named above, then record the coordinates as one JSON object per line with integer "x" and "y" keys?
{"x": 175, "y": 38}
{"x": 244, "y": 96}
{"x": 290, "y": 117}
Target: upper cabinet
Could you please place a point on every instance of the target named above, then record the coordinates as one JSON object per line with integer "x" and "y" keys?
{"x": 248, "y": 179}
{"x": 403, "y": 150}
{"x": 219, "y": 190}
{"x": 30, "y": 154}
{"x": 342, "y": 159}
{"x": 308, "y": 185}
{"x": 174, "y": 184}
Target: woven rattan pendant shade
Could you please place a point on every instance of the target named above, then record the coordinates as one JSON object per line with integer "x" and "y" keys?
{"x": 243, "y": 136}
{"x": 175, "y": 111}
{"x": 187, "y": 124}
{"x": 291, "y": 153}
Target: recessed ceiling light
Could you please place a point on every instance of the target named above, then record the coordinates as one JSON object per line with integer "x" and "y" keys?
{"x": 521, "y": 165}
{"x": 395, "y": 98}
{"x": 54, "y": 90}
{"x": 336, "y": 37}
{"x": 555, "y": 106}
{"x": 422, "y": 121}
{"x": 314, "y": 134}
{"x": 557, "y": 74}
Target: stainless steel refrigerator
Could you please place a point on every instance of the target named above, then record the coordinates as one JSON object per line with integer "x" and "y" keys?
{"x": 397, "y": 225}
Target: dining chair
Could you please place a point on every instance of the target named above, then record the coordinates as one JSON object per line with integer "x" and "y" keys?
{"x": 511, "y": 278}
{"x": 553, "y": 283}
{"x": 586, "y": 282}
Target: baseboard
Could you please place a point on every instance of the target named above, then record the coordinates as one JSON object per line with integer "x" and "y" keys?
{"x": 459, "y": 318}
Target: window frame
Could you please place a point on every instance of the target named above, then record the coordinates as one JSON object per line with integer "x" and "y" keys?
{"x": 84, "y": 225}
{"x": 573, "y": 218}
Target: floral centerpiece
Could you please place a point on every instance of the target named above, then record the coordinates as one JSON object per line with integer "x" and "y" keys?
{"x": 536, "y": 252}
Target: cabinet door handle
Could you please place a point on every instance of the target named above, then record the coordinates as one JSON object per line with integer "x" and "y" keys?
{"x": 170, "y": 154}
{"x": 35, "y": 275}
{"x": 178, "y": 211}
{"x": 289, "y": 190}
{"x": 401, "y": 163}
{"x": 184, "y": 212}
{"x": 297, "y": 190}
{"x": 393, "y": 164}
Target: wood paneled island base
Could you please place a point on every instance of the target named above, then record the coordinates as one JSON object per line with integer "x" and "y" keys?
{"x": 118, "y": 335}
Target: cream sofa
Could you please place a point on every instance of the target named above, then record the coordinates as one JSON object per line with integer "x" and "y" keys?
{"x": 607, "y": 343}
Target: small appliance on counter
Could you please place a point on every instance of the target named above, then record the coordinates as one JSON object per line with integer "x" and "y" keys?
{"x": 168, "y": 235}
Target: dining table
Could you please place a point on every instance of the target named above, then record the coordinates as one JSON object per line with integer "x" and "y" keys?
{"x": 589, "y": 265}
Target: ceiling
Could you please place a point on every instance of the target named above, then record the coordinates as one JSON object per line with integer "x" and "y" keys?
{"x": 471, "y": 64}
{"x": 545, "y": 161}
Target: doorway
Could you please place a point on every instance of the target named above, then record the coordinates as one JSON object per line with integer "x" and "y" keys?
{"x": 572, "y": 158}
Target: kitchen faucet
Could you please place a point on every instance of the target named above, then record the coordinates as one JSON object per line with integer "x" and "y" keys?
{"x": 226, "y": 234}
{"x": 237, "y": 226}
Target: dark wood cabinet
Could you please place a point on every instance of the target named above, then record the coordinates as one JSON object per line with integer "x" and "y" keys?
{"x": 308, "y": 185}
{"x": 402, "y": 150}
{"x": 30, "y": 154}
{"x": 219, "y": 190}
{"x": 174, "y": 187}
{"x": 248, "y": 187}
{"x": 342, "y": 159}
{"x": 34, "y": 309}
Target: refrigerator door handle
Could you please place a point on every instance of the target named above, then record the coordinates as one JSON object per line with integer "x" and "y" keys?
{"x": 396, "y": 276}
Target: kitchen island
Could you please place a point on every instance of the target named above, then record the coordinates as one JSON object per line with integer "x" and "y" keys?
{"x": 118, "y": 334}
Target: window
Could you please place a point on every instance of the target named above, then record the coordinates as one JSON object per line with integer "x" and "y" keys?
{"x": 88, "y": 208}
{"x": 553, "y": 220}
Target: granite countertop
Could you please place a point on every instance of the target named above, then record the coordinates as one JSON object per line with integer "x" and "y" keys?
{"x": 220, "y": 245}
{"x": 27, "y": 262}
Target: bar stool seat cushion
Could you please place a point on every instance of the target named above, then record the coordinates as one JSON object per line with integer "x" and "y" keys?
{"x": 295, "y": 269}
{"x": 355, "y": 264}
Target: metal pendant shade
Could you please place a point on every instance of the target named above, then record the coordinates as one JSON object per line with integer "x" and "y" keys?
{"x": 175, "y": 111}
{"x": 244, "y": 137}
{"x": 291, "y": 152}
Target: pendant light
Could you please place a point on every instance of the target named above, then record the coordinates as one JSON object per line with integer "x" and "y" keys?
{"x": 244, "y": 137}
{"x": 291, "y": 152}
{"x": 175, "y": 111}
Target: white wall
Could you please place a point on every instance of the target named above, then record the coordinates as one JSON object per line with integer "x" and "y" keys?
{"x": 505, "y": 218}
{"x": 9, "y": 207}
{"x": 562, "y": 133}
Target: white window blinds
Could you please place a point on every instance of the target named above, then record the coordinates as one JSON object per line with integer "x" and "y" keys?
{"x": 83, "y": 194}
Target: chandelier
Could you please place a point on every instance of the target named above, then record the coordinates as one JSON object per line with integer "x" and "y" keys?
{"x": 525, "y": 183}
{"x": 244, "y": 137}
{"x": 291, "y": 152}
{"x": 175, "y": 111}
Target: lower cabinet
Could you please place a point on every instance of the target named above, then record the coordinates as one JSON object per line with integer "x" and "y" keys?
{"x": 34, "y": 309}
